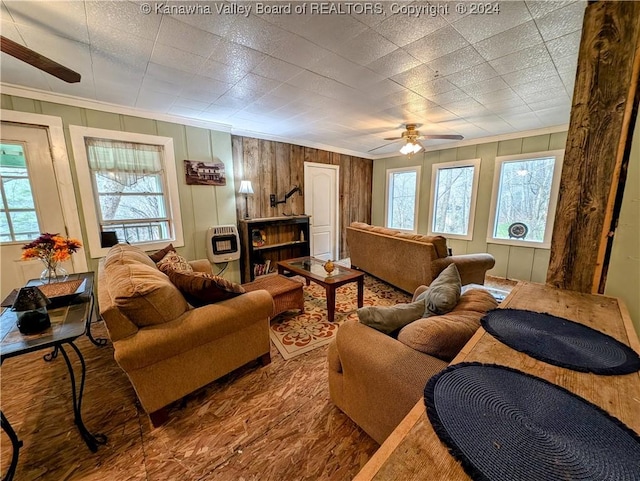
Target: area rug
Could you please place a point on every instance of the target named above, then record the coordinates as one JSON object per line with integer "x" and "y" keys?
{"x": 561, "y": 342}
{"x": 505, "y": 425}
{"x": 294, "y": 334}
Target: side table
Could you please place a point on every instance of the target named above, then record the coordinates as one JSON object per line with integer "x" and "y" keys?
{"x": 69, "y": 321}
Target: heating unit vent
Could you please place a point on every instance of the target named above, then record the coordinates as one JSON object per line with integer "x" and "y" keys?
{"x": 223, "y": 243}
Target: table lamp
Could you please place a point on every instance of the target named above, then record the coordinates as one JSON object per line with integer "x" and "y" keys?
{"x": 246, "y": 190}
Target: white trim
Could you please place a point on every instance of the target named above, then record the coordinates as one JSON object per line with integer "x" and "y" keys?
{"x": 319, "y": 165}
{"x": 553, "y": 198}
{"x": 418, "y": 170}
{"x": 475, "y": 163}
{"x": 85, "y": 183}
{"x": 62, "y": 169}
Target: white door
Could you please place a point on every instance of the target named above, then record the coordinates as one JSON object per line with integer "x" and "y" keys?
{"x": 321, "y": 203}
{"x": 30, "y": 201}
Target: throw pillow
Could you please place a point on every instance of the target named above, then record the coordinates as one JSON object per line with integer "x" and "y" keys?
{"x": 389, "y": 319}
{"x": 173, "y": 261}
{"x": 157, "y": 256}
{"x": 441, "y": 336}
{"x": 200, "y": 288}
{"x": 443, "y": 293}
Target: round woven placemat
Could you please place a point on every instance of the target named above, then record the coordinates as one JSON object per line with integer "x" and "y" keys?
{"x": 561, "y": 342}
{"x": 505, "y": 425}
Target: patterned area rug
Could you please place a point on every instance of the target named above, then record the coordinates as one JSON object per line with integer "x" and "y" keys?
{"x": 294, "y": 334}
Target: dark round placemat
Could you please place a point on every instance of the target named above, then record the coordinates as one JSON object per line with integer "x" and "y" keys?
{"x": 505, "y": 425}
{"x": 561, "y": 342}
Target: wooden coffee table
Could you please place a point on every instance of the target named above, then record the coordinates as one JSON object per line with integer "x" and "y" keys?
{"x": 312, "y": 270}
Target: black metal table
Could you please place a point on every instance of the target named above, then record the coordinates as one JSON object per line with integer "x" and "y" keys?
{"x": 70, "y": 319}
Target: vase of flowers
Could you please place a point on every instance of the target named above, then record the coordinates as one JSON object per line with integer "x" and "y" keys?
{"x": 51, "y": 249}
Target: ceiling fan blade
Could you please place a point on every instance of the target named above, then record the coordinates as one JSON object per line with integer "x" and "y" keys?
{"x": 383, "y": 145}
{"x": 393, "y": 138}
{"x": 445, "y": 137}
{"x": 38, "y": 61}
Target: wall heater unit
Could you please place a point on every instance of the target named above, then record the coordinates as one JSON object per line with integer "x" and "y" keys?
{"x": 223, "y": 243}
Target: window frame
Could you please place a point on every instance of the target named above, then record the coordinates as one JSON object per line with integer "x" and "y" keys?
{"x": 89, "y": 197}
{"x": 553, "y": 198}
{"x": 475, "y": 163}
{"x": 417, "y": 169}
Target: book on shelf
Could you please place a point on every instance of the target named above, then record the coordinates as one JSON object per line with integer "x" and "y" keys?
{"x": 262, "y": 269}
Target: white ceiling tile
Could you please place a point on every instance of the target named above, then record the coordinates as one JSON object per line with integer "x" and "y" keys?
{"x": 221, "y": 72}
{"x": 190, "y": 103}
{"x": 478, "y": 27}
{"x": 216, "y": 24}
{"x": 513, "y": 40}
{"x": 116, "y": 92}
{"x": 367, "y": 47}
{"x": 63, "y": 19}
{"x": 550, "y": 104}
{"x": 276, "y": 69}
{"x": 122, "y": 47}
{"x": 173, "y": 57}
{"x": 415, "y": 76}
{"x": 437, "y": 44}
{"x": 331, "y": 31}
{"x": 497, "y": 97}
{"x": 151, "y": 100}
{"x": 169, "y": 75}
{"x": 185, "y": 37}
{"x": 566, "y": 64}
{"x": 525, "y": 121}
{"x": 540, "y": 8}
{"x": 184, "y": 111}
{"x": 394, "y": 63}
{"x": 477, "y": 73}
{"x": 484, "y": 86}
{"x": 562, "y": 21}
{"x": 104, "y": 16}
{"x": 202, "y": 94}
{"x": 257, "y": 84}
{"x": 438, "y": 114}
{"x": 257, "y": 34}
{"x": 448, "y": 97}
{"x": 538, "y": 84}
{"x": 434, "y": 87}
{"x": 506, "y": 112}
{"x": 237, "y": 56}
{"x": 16, "y": 72}
{"x": 558, "y": 116}
{"x": 344, "y": 71}
{"x": 538, "y": 72}
{"x": 228, "y": 102}
{"x": 522, "y": 59}
{"x": 305, "y": 53}
{"x": 559, "y": 93}
{"x": 466, "y": 108}
{"x": 404, "y": 29}
{"x": 456, "y": 61}
{"x": 567, "y": 45}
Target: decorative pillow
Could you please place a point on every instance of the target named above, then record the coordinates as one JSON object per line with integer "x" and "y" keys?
{"x": 157, "y": 256}
{"x": 443, "y": 293}
{"x": 441, "y": 336}
{"x": 200, "y": 288}
{"x": 173, "y": 261}
{"x": 477, "y": 300}
{"x": 389, "y": 319}
{"x": 144, "y": 294}
{"x": 360, "y": 225}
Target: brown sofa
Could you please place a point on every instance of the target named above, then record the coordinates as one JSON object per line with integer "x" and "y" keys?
{"x": 167, "y": 348}
{"x": 376, "y": 379}
{"x": 408, "y": 260}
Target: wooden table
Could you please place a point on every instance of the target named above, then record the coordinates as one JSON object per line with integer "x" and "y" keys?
{"x": 312, "y": 270}
{"x": 414, "y": 452}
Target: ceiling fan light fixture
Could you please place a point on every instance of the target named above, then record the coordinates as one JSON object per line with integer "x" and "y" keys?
{"x": 410, "y": 148}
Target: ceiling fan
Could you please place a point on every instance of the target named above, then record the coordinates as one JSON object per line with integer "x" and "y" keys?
{"x": 411, "y": 138}
{"x": 38, "y": 61}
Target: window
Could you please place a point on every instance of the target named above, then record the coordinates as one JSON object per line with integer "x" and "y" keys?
{"x": 402, "y": 198}
{"x": 525, "y": 192}
{"x": 130, "y": 180}
{"x": 18, "y": 218}
{"x": 454, "y": 187}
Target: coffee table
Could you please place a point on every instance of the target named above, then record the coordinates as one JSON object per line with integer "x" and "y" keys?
{"x": 312, "y": 270}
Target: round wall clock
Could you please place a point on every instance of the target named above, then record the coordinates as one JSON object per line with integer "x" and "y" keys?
{"x": 518, "y": 230}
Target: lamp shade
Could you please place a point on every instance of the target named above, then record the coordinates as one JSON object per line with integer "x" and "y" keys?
{"x": 245, "y": 187}
{"x": 410, "y": 148}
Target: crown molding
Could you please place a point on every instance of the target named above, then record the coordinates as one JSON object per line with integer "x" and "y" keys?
{"x": 37, "y": 94}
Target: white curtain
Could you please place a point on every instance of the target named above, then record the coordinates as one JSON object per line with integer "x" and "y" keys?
{"x": 123, "y": 162}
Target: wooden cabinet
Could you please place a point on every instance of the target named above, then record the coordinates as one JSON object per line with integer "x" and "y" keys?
{"x": 270, "y": 239}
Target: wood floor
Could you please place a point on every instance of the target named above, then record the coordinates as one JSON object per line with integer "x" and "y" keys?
{"x": 258, "y": 423}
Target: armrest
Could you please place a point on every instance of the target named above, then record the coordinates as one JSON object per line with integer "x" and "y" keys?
{"x": 193, "y": 328}
{"x": 201, "y": 265}
{"x": 472, "y": 267}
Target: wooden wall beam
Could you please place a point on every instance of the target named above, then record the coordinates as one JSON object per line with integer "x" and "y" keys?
{"x": 605, "y": 102}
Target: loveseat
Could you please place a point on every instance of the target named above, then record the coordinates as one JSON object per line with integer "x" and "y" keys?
{"x": 167, "y": 347}
{"x": 407, "y": 260}
{"x": 377, "y": 378}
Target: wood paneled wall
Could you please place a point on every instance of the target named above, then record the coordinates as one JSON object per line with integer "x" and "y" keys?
{"x": 276, "y": 167}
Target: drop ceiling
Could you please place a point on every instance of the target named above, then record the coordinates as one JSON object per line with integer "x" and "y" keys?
{"x": 338, "y": 80}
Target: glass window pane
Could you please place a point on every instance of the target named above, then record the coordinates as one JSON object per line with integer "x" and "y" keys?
{"x": 18, "y": 192}
{"x": 130, "y": 207}
{"x": 454, "y": 188}
{"x": 523, "y": 197}
{"x": 109, "y": 182}
{"x": 25, "y": 224}
{"x": 402, "y": 200}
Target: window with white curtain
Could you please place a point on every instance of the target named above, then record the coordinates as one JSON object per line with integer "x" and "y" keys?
{"x": 402, "y": 198}
{"x": 132, "y": 186}
{"x": 454, "y": 187}
{"x": 525, "y": 193}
